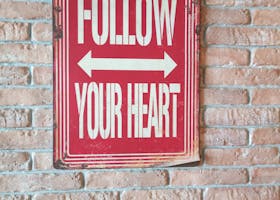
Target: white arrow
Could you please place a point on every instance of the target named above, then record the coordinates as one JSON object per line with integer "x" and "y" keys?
{"x": 87, "y": 64}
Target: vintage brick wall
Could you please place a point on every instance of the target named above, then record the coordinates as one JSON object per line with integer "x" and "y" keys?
{"x": 240, "y": 112}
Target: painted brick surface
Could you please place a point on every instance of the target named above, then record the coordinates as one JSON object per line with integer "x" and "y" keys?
{"x": 161, "y": 194}
{"x": 240, "y": 112}
{"x": 78, "y": 196}
{"x": 224, "y": 16}
{"x": 42, "y": 75}
{"x": 266, "y": 56}
{"x": 14, "y": 161}
{"x": 242, "y": 36}
{"x": 266, "y": 175}
{"x": 266, "y": 96}
{"x": 248, "y": 193}
{"x": 26, "y": 53}
{"x": 231, "y": 56}
{"x": 266, "y": 136}
{"x": 25, "y": 10}
{"x": 40, "y": 182}
{"x": 15, "y": 118}
{"x": 15, "y": 197}
{"x": 25, "y": 97}
{"x": 223, "y": 96}
{"x": 14, "y": 76}
{"x": 43, "y": 118}
{"x": 247, "y": 77}
{"x": 25, "y": 139}
{"x": 208, "y": 177}
{"x": 223, "y": 137}
{"x": 242, "y": 156}
{"x": 14, "y": 31}
{"x": 42, "y": 32}
{"x": 126, "y": 179}
{"x": 43, "y": 161}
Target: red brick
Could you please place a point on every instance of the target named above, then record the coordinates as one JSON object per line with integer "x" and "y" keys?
{"x": 208, "y": 177}
{"x": 266, "y": 136}
{"x": 162, "y": 194}
{"x": 78, "y": 196}
{"x": 242, "y": 156}
{"x": 223, "y": 96}
{"x": 40, "y": 182}
{"x": 265, "y": 175}
{"x": 14, "y": 161}
{"x": 18, "y": 139}
{"x": 224, "y": 56}
{"x": 224, "y": 16}
{"x": 252, "y": 3}
{"x": 43, "y": 161}
{"x": 15, "y": 118}
{"x": 266, "y": 17}
{"x": 42, "y": 32}
{"x": 223, "y": 137}
{"x": 267, "y": 56}
{"x": 220, "y": 76}
{"x": 242, "y": 116}
{"x": 25, "y": 10}
{"x": 28, "y": 97}
{"x": 248, "y": 193}
{"x": 14, "y": 76}
{"x": 14, "y": 31}
{"x": 119, "y": 179}
{"x": 26, "y": 53}
{"x": 266, "y": 96}
{"x": 14, "y": 197}
{"x": 242, "y": 36}
{"x": 43, "y": 118}
{"x": 220, "y": 2}
{"x": 43, "y": 75}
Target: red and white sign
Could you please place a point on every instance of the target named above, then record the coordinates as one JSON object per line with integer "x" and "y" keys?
{"x": 126, "y": 83}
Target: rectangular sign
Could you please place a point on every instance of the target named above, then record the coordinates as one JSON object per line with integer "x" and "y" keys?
{"x": 126, "y": 83}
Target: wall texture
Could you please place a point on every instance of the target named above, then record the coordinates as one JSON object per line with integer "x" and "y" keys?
{"x": 240, "y": 112}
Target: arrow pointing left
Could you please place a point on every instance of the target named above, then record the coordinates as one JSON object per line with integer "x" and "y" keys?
{"x": 89, "y": 64}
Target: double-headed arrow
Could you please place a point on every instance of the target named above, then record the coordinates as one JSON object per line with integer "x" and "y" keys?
{"x": 87, "y": 64}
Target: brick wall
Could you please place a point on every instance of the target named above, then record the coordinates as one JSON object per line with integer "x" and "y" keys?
{"x": 240, "y": 112}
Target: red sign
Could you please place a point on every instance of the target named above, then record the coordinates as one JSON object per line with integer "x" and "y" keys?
{"x": 126, "y": 83}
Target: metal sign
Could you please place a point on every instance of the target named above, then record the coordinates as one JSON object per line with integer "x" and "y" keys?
{"x": 126, "y": 83}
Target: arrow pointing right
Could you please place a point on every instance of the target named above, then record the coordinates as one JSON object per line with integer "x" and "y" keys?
{"x": 88, "y": 64}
